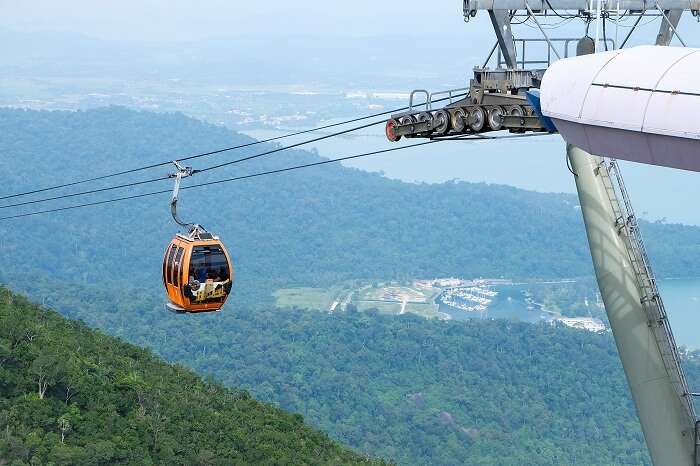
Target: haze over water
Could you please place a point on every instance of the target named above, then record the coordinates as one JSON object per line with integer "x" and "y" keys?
{"x": 682, "y": 300}
{"x": 535, "y": 163}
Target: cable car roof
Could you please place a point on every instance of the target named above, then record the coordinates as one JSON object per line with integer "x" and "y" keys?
{"x": 640, "y": 104}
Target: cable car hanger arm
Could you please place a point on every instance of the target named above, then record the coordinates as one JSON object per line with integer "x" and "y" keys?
{"x": 182, "y": 172}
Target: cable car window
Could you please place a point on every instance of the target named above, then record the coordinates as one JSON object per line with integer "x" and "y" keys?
{"x": 209, "y": 275}
{"x": 177, "y": 267}
{"x": 169, "y": 265}
{"x": 208, "y": 263}
{"x": 165, "y": 262}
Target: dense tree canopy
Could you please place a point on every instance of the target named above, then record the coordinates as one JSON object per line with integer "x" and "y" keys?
{"x": 431, "y": 392}
{"x": 73, "y": 396}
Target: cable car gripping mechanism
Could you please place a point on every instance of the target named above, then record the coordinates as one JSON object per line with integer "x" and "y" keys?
{"x": 182, "y": 172}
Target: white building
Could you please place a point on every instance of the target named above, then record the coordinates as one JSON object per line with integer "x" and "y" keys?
{"x": 583, "y": 323}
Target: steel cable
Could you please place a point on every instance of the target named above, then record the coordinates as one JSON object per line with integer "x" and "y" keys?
{"x": 269, "y": 172}
{"x": 218, "y": 151}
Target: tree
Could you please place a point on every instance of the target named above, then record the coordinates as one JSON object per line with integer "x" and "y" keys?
{"x": 63, "y": 426}
{"x": 68, "y": 419}
{"x": 46, "y": 371}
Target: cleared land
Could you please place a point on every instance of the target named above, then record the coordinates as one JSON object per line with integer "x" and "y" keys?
{"x": 308, "y": 298}
{"x": 389, "y": 298}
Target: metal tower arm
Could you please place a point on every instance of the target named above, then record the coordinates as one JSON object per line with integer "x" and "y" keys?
{"x": 501, "y": 25}
{"x": 636, "y": 312}
{"x": 668, "y": 26}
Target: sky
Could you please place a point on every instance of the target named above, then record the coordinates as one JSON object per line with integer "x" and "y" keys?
{"x": 440, "y": 22}
{"x": 192, "y": 20}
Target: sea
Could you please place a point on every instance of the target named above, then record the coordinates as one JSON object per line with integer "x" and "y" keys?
{"x": 681, "y": 298}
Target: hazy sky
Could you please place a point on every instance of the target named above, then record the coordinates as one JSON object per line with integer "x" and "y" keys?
{"x": 189, "y": 19}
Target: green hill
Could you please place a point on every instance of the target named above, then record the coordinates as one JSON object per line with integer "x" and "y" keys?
{"x": 403, "y": 388}
{"x": 430, "y": 392}
{"x": 73, "y": 396}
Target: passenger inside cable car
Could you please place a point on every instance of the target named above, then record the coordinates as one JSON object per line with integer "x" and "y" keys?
{"x": 209, "y": 276}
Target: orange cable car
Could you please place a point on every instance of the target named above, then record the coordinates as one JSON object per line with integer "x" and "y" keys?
{"x": 197, "y": 270}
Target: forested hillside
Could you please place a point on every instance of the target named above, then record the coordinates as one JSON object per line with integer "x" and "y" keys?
{"x": 429, "y": 392}
{"x": 416, "y": 391}
{"x": 73, "y": 396}
{"x": 299, "y": 228}
{"x": 403, "y": 387}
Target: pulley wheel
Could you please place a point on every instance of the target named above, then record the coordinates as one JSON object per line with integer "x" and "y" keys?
{"x": 477, "y": 119}
{"x": 408, "y": 120}
{"x": 391, "y": 130}
{"x": 441, "y": 121}
{"x": 495, "y": 117}
{"x": 427, "y": 118}
{"x": 458, "y": 120}
{"x": 515, "y": 110}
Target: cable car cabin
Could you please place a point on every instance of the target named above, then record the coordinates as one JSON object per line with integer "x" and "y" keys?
{"x": 197, "y": 273}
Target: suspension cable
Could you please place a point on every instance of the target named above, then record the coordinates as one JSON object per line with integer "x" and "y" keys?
{"x": 279, "y": 149}
{"x": 227, "y": 180}
{"x": 161, "y": 178}
{"x": 214, "y": 152}
{"x": 265, "y": 173}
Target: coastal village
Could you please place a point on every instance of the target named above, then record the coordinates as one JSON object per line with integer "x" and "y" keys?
{"x": 439, "y": 298}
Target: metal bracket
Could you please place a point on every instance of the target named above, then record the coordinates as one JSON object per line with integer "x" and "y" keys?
{"x": 549, "y": 42}
{"x": 427, "y": 100}
{"x": 182, "y": 172}
{"x": 668, "y": 26}
{"x": 501, "y": 24}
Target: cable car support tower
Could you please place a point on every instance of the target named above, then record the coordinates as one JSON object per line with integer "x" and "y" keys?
{"x": 498, "y": 98}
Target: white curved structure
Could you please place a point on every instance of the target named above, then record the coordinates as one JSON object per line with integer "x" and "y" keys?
{"x": 640, "y": 104}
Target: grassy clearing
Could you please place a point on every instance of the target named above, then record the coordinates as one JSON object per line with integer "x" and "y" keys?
{"x": 384, "y": 308}
{"x": 393, "y": 293}
{"x": 429, "y": 311}
{"x": 308, "y": 298}
{"x": 386, "y": 299}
